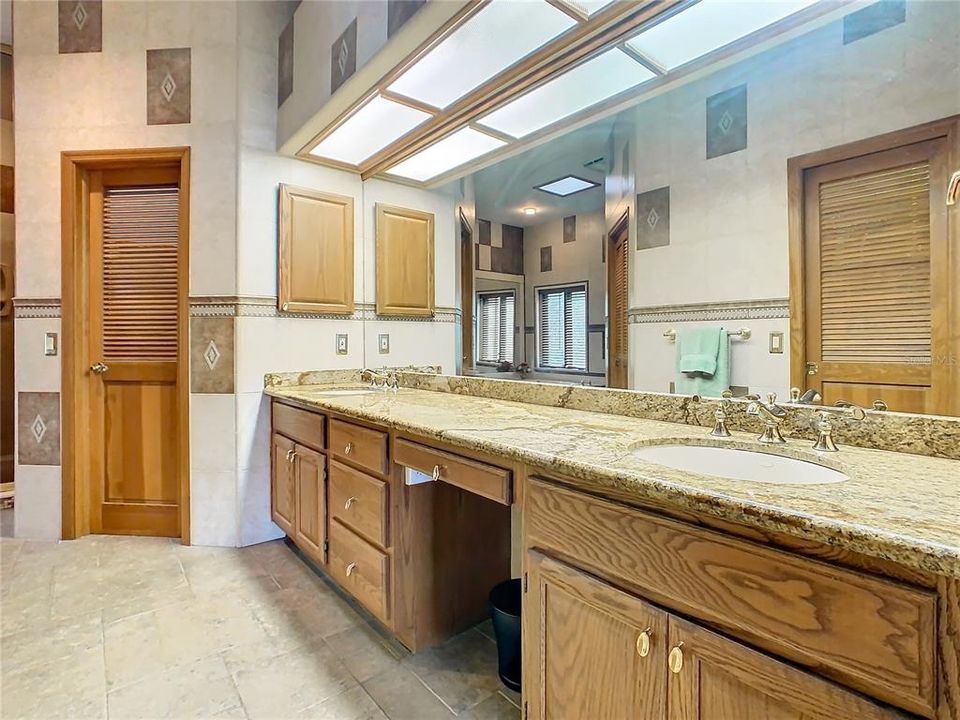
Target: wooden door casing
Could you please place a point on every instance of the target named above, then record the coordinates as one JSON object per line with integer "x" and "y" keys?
{"x": 466, "y": 294}
{"x": 618, "y": 304}
{"x": 133, "y": 337}
{"x": 583, "y": 659}
{"x": 873, "y": 251}
{"x": 311, "y": 502}
{"x": 283, "y": 491}
{"x": 720, "y": 679}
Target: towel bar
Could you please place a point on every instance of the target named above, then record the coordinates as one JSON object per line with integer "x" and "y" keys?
{"x": 743, "y": 333}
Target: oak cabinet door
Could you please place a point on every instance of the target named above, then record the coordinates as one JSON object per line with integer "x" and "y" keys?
{"x": 283, "y": 490}
{"x": 715, "y": 678}
{"x": 404, "y": 261}
{"x": 594, "y": 651}
{"x": 311, "y": 531}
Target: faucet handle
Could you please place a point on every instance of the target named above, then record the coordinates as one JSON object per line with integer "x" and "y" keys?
{"x": 771, "y": 398}
{"x": 794, "y": 394}
{"x": 854, "y": 411}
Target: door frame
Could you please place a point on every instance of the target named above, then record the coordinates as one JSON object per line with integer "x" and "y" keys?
{"x": 75, "y": 170}
{"x": 948, "y": 128}
{"x": 467, "y": 359}
{"x": 620, "y": 227}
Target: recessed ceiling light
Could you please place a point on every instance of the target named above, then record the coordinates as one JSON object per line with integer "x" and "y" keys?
{"x": 499, "y": 35}
{"x": 455, "y": 149}
{"x": 568, "y": 185}
{"x": 529, "y": 211}
{"x": 594, "y": 81}
{"x": 707, "y": 26}
{"x": 372, "y": 127}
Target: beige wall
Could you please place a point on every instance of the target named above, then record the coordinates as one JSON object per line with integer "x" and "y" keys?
{"x": 728, "y": 215}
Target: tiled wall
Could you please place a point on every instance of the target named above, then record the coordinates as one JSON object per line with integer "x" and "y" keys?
{"x": 720, "y": 145}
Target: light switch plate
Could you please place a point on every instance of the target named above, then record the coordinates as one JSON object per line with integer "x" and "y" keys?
{"x": 776, "y": 343}
{"x": 341, "y": 343}
{"x": 384, "y": 343}
{"x": 50, "y": 343}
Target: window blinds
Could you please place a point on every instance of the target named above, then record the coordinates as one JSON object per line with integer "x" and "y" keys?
{"x": 496, "y": 313}
{"x": 563, "y": 327}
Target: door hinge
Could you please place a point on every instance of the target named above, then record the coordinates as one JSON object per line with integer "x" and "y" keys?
{"x": 526, "y": 582}
{"x": 812, "y": 368}
{"x": 526, "y": 710}
{"x": 326, "y": 546}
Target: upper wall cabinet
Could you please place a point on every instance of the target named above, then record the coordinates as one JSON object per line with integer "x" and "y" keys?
{"x": 404, "y": 261}
{"x": 316, "y": 251}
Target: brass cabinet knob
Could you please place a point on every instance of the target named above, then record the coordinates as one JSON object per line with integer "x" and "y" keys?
{"x": 291, "y": 454}
{"x": 348, "y": 448}
{"x": 675, "y": 660}
{"x": 436, "y": 472}
{"x": 350, "y": 501}
{"x": 643, "y": 642}
{"x": 350, "y": 568}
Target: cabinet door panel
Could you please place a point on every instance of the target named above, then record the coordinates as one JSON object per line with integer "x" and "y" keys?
{"x": 311, "y": 502}
{"x": 720, "y": 679}
{"x": 587, "y": 658}
{"x": 283, "y": 491}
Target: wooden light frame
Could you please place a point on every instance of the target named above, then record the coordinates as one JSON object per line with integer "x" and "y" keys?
{"x": 75, "y": 169}
{"x": 948, "y": 308}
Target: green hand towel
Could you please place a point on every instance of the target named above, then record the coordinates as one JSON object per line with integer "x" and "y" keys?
{"x": 698, "y": 348}
{"x": 706, "y": 385}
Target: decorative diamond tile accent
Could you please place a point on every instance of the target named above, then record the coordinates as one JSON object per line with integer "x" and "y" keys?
{"x": 343, "y": 56}
{"x": 399, "y": 11}
{"x": 168, "y": 87}
{"x": 653, "y": 217}
{"x": 80, "y": 16}
{"x": 873, "y": 19}
{"x": 653, "y": 207}
{"x": 211, "y": 355}
{"x": 39, "y": 428}
{"x": 727, "y": 122}
{"x": 285, "y": 64}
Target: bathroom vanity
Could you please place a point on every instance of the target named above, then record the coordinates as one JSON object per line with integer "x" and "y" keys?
{"x": 649, "y": 591}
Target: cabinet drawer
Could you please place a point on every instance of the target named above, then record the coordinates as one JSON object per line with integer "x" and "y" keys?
{"x": 359, "y": 568}
{"x": 476, "y": 477}
{"x": 360, "y": 445}
{"x": 875, "y": 635}
{"x": 301, "y": 425}
{"x": 359, "y": 502}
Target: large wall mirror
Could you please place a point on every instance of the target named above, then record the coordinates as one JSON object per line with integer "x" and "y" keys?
{"x": 795, "y": 196}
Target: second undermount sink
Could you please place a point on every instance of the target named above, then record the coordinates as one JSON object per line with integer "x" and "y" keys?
{"x": 736, "y": 464}
{"x": 337, "y": 392}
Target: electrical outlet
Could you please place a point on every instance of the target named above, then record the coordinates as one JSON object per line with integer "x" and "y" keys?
{"x": 384, "y": 343}
{"x": 776, "y": 343}
{"x": 341, "y": 343}
{"x": 50, "y": 343}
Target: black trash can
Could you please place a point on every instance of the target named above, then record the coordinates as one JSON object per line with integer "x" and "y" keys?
{"x": 504, "y": 603}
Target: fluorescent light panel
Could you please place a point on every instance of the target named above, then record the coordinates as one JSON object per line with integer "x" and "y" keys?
{"x": 567, "y": 186}
{"x": 588, "y": 7}
{"x": 594, "y": 81}
{"x": 495, "y": 38}
{"x": 371, "y": 128}
{"x": 707, "y": 26}
{"x": 460, "y": 147}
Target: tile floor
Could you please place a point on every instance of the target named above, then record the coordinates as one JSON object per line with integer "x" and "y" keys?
{"x": 146, "y": 628}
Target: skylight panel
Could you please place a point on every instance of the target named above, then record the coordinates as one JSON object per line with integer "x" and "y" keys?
{"x": 373, "y": 127}
{"x": 567, "y": 186}
{"x": 501, "y": 34}
{"x": 452, "y": 151}
{"x": 707, "y": 26}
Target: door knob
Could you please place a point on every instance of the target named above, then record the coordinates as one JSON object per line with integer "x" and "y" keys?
{"x": 99, "y": 368}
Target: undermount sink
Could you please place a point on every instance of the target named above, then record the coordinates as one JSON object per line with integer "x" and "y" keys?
{"x": 736, "y": 464}
{"x": 337, "y": 392}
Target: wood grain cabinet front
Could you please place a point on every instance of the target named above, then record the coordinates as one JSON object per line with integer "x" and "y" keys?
{"x": 299, "y": 425}
{"x": 359, "y": 501}
{"x": 359, "y": 445}
{"x": 310, "y": 530}
{"x": 360, "y": 569}
{"x": 476, "y": 477}
{"x": 283, "y": 487}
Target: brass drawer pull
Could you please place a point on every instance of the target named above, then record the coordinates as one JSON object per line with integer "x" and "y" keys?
{"x": 643, "y": 642}
{"x": 291, "y": 454}
{"x": 348, "y": 449}
{"x": 350, "y": 568}
{"x": 437, "y": 469}
{"x": 676, "y": 659}
{"x": 350, "y": 501}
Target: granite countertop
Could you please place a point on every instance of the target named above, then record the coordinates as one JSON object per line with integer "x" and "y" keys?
{"x": 895, "y": 506}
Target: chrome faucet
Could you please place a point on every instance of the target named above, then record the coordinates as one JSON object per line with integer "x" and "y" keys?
{"x": 810, "y": 397}
{"x": 771, "y": 414}
{"x": 824, "y": 424}
{"x": 388, "y": 379}
{"x": 720, "y": 416}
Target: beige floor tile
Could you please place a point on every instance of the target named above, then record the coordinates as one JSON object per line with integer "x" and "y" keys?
{"x": 24, "y": 610}
{"x": 69, "y": 687}
{"x": 402, "y": 696}
{"x": 201, "y": 689}
{"x": 354, "y": 704}
{"x": 289, "y": 683}
{"x": 50, "y": 643}
{"x": 364, "y": 652}
{"x": 462, "y": 671}
{"x": 495, "y": 707}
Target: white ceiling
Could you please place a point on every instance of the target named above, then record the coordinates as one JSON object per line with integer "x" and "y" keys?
{"x": 504, "y": 189}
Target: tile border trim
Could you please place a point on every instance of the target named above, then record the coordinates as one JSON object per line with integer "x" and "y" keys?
{"x": 36, "y": 307}
{"x": 764, "y": 309}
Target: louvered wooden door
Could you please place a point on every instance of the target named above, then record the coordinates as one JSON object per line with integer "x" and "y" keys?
{"x": 135, "y": 291}
{"x": 617, "y": 302}
{"x": 877, "y": 317}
